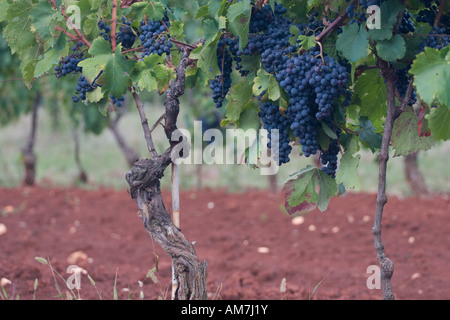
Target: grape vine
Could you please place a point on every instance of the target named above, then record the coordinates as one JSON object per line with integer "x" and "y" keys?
{"x": 313, "y": 71}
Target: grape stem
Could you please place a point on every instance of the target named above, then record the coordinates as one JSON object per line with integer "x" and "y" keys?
{"x": 163, "y": 116}
{"x": 78, "y": 33}
{"x": 321, "y": 51}
{"x": 133, "y": 49}
{"x": 334, "y": 25}
{"x": 114, "y": 25}
{"x": 406, "y": 98}
{"x": 67, "y": 33}
{"x": 437, "y": 20}
{"x": 183, "y": 44}
{"x": 347, "y": 130}
{"x": 144, "y": 123}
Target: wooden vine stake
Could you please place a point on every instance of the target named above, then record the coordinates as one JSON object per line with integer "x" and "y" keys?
{"x": 175, "y": 216}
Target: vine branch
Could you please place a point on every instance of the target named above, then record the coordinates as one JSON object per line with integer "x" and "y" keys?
{"x": 78, "y": 33}
{"x": 387, "y": 266}
{"x": 406, "y": 98}
{"x": 144, "y": 123}
{"x": 113, "y": 26}
{"x": 334, "y": 25}
{"x": 67, "y": 33}
{"x": 437, "y": 20}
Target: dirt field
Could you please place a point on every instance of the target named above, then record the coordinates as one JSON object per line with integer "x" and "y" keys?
{"x": 249, "y": 243}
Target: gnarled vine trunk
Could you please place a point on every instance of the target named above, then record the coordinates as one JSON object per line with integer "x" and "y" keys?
{"x": 189, "y": 271}
{"x": 144, "y": 179}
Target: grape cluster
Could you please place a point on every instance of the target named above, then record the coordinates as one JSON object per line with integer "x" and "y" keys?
{"x": 329, "y": 158}
{"x": 118, "y": 102}
{"x": 313, "y": 86}
{"x": 428, "y": 15}
{"x": 436, "y": 40}
{"x": 274, "y": 120}
{"x": 126, "y": 35}
{"x": 407, "y": 25}
{"x": 313, "y": 82}
{"x": 69, "y": 64}
{"x": 106, "y": 30}
{"x": 83, "y": 87}
{"x": 221, "y": 84}
{"x": 402, "y": 80}
{"x": 154, "y": 37}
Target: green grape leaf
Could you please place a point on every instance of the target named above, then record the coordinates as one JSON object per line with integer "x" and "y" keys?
{"x": 177, "y": 30}
{"x": 370, "y": 95}
{"x": 240, "y": 98}
{"x": 3, "y": 10}
{"x": 249, "y": 119}
{"x": 368, "y": 135}
{"x": 137, "y": 9}
{"x": 239, "y": 21}
{"x": 307, "y": 42}
{"x": 300, "y": 193}
{"x": 438, "y": 122}
{"x": 96, "y": 4}
{"x": 393, "y": 49}
{"x": 44, "y": 19}
{"x": 266, "y": 82}
{"x": 389, "y": 11}
{"x": 353, "y": 42}
{"x": 405, "y": 135}
{"x": 207, "y": 57}
{"x": 50, "y": 58}
{"x": 431, "y": 72}
{"x": 328, "y": 189}
{"x": 28, "y": 60}
{"x": 115, "y": 67}
{"x": 90, "y": 25}
{"x": 210, "y": 30}
{"x": 18, "y": 29}
{"x": 179, "y": 12}
{"x": 95, "y": 95}
{"x": 155, "y": 11}
{"x": 147, "y": 81}
{"x": 329, "y": 132}
{"x": 348, "y": 168}
{"x": 202, "y": 11}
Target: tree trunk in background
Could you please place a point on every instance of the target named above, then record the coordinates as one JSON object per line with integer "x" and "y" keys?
{"x": 413, "y": 175}
{"x": 29, "y": 158}
{"x": 82, "y": 177}
{"x": 130, "y": 155}
{"x": 273, "y": 184}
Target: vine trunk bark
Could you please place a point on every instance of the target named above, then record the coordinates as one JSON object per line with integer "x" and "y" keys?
{"x": 386, "y": 265}
{"x": 189, "y": 273}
